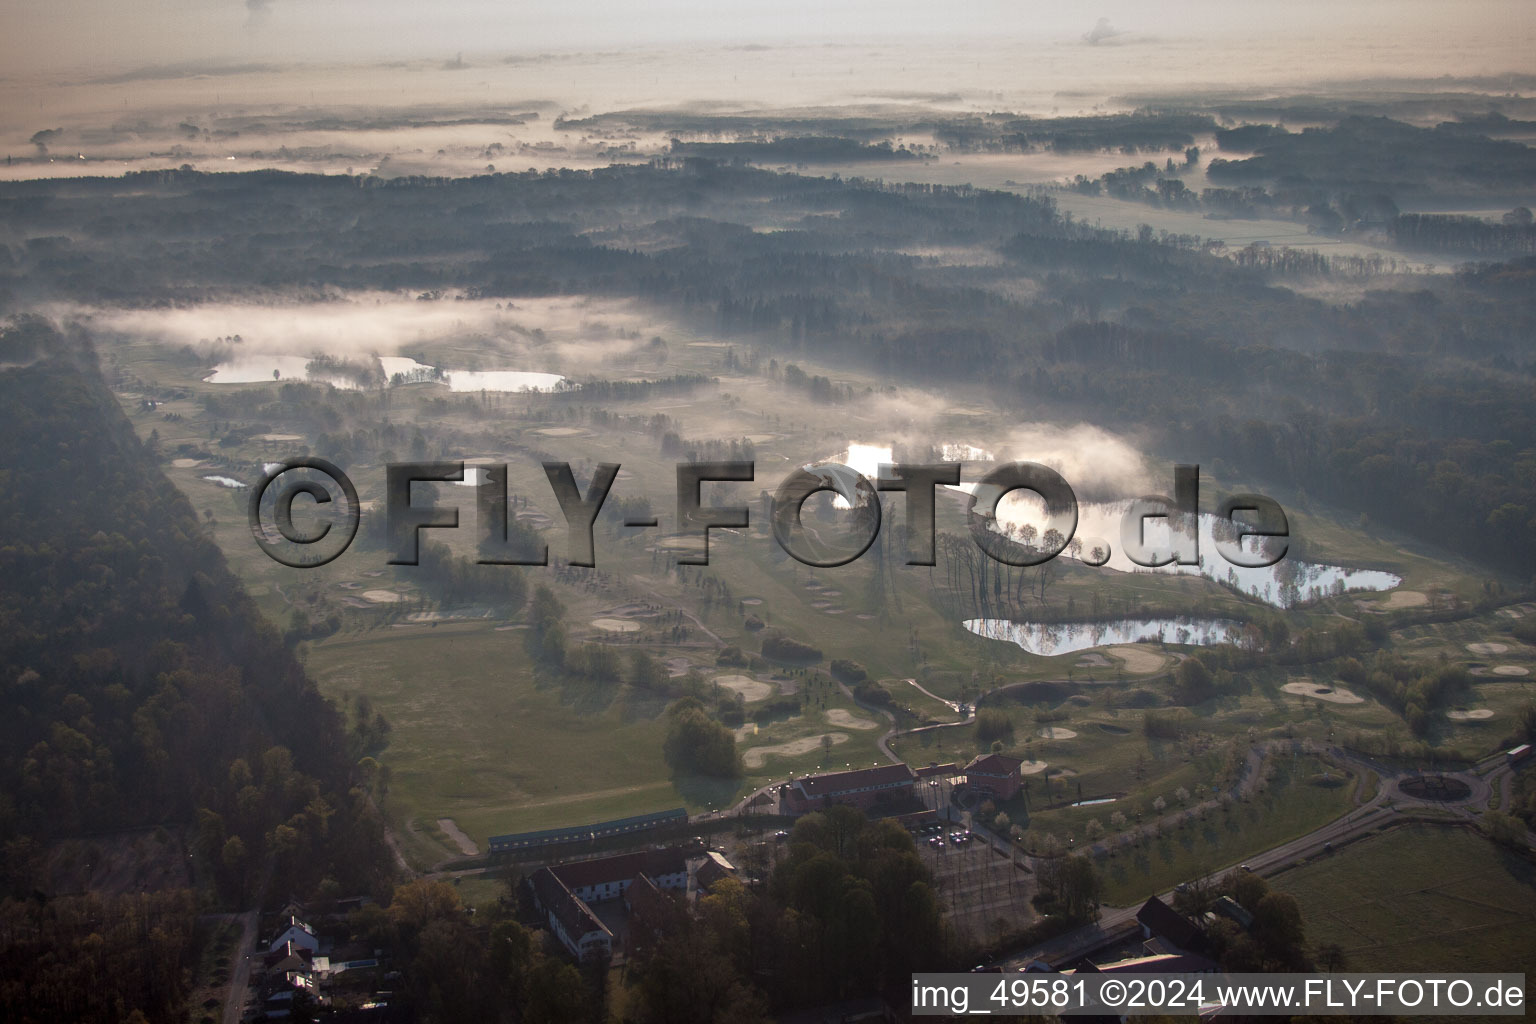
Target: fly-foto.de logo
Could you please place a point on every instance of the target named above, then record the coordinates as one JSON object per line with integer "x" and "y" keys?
{"x": 329, "y": 492}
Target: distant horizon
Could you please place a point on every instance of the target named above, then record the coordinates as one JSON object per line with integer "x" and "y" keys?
{"x": 79, "y": 36}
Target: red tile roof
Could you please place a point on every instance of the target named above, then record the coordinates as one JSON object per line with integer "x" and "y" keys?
{"x": 997, "y": 765}
{"x": 1162, "y": 920}
{"x": 574, "y": 916}
{"x": 621, "y": 868}
{"x": 833, "y": 783}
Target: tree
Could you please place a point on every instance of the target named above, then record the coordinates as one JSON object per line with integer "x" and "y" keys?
{"x": 555, "y": 993}
{"x": 1330, "y": 957}
{"x": 1074, "y": 884}
{"x": 1277, "y": 926}
{"x": 697, "y": 745}
{"x": 1194, "y": 680}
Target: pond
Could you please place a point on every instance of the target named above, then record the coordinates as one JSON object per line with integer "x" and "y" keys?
{"x": 503, "y": 380}
{"x": 1285, "y": 584}
{"x": 1052, "y": 638}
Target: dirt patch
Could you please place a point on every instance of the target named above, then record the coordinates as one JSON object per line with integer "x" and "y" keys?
{"x": 1093, "y": 660}
{"x": 1488, "y": 648}
{"x": 1056, "y": 732}
{"x": 465, "y": 844}
{"x": 1138, "y": 659}
{"x": 677, "y": 666}
{"x": 749, "y": 688}
{"x": 1332, "y": 694}
{"x": 382, "y": 596}
{"x": 847, "y": 720}
{"x": 755, "y": 757}
{"x": 1476, "y": 715}
{"x": 1404, "y": 599}
{"x": 617, "y": 625}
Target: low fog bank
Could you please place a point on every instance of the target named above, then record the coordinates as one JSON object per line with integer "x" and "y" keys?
{"x": 574, "y": 336}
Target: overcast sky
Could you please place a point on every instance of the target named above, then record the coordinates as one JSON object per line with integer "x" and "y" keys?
{"x": 72, "y": 36}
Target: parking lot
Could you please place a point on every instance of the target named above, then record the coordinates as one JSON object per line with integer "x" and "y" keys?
{"x": 978, "y": 885}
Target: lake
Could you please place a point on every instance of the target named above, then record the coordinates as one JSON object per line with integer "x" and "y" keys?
{"x": 1049, "y": 639}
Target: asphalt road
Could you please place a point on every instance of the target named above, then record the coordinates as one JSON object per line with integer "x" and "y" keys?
{"x": 1389, "y": 804}
{"x": 240, "y": 976}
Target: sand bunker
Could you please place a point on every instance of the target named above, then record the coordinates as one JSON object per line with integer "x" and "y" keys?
{"x": 848, "y": 720}
{"x": 617, "y": 625}
{"x": 1488, "y": 648}
{"x": 1056, "y": 732}
{"x": 1333, "y": 694}
{"x": 1093, "y": 660}
{"x": 186, "y": 463}
{"x": 382, "y": 596}
{"x": 752, "y": 602}
{"x": 755, "y": 757}
{"x": 749, "y": 688}
{"x": 560, "y": 431}
{"x": 742, "y": 732}
{"x": 465, "y": 844}
{"x": 1032, "y": 767}
{"x": 1138, "y": 659}
{"x": 281, "y": 437}
{"x": 1479, "y": 715}
{"x": 1510, "y": 670}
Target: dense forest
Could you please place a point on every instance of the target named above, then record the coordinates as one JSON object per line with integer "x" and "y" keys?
{"x": 141, "y": 688}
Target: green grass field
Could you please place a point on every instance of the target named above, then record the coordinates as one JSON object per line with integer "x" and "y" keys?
{"x": 1291, "y": 806}
{"x": 479, "y": 739}
{"x": 1421, "y": 898}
